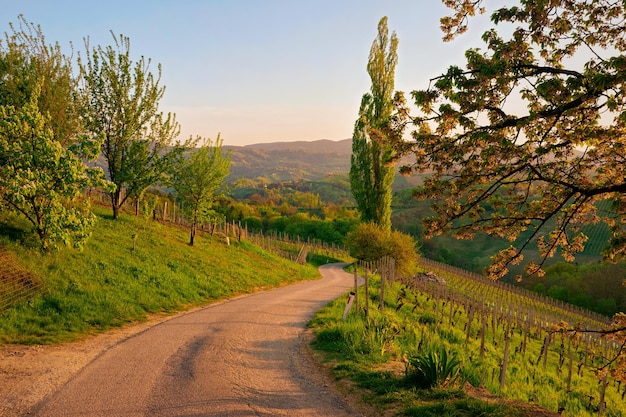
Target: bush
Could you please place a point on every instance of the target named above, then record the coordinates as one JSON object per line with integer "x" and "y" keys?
{"x": 436, "y": 367}
{"x": 369, "y": 242}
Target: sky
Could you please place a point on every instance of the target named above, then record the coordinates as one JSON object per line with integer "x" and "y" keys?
{"x": 257, "y": 71}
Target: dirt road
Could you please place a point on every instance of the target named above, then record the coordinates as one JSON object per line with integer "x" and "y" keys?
{"x": 237, "y": 358}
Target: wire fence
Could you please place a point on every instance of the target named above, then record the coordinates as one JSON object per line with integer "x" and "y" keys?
{"x": 16, "y": 283}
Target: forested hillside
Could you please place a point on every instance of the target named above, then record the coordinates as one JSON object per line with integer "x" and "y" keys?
{"x": 290, "y": 161}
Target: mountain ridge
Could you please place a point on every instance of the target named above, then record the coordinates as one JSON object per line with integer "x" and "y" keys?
{"x": 343, "y": 146}
{"x": 291, "y": 161}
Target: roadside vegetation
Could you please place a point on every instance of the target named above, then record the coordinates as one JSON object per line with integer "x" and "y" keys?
{"x": 130, "y": 269}
{"x": 430, "y": 352}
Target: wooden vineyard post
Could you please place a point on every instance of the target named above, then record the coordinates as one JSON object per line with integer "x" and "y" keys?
{"x": 505, "y": 359}
{"x": 604, "y": 382}
{"x": 483, "y": 330}
{"x": 547, "y": 348}
{"x": 356, "y": 286}
{"x": 526, "y": 331}
{"x": 470, "y": 319}
{"x": 570, "y": 365}
{"x": 367, "y": 292}
{"x": 383, "y": 270}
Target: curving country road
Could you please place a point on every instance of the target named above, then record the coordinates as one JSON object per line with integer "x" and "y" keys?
{"x": 237, "y": 358}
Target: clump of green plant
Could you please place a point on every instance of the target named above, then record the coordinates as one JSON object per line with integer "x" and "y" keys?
{"x": 435, "y": 367}
{"x": 381, "y": 332}
{"x": 361, "y": 339}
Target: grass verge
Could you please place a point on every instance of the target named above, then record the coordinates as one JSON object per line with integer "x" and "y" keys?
{"x": 417, "y": 362}
{"x": 132, "y": 268}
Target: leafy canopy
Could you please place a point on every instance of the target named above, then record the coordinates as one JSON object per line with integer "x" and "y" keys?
{"x": 121, "y": 102}
{"x": 528, "y": 135}
{"x": 370, "y": 242}
{"x": 42, "y": 180}
{"x": 29, "y": 66}
{"x": 198, "y": 177}
{"x": 42, "y": 145}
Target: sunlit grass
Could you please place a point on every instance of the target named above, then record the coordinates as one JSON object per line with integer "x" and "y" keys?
{"x": 366, "y": 349}
{"x": 132, "y": 268}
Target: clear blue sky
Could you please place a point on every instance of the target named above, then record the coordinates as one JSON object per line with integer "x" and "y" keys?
{"x": 257, "y": 70}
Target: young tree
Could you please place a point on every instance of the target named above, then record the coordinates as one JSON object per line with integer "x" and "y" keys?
{"x": 372, "y": 169}
{"x": 27, "y": 65}
{"x": 41, "y": 179}
{"x": 121, "y": 101}
{"x": 198, "y": 177}
{"x": 530, "y": 135}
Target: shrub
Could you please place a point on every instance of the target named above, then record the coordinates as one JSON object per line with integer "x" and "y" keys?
{"x": 369, "y": 242}
{"x": 435, "y": 367}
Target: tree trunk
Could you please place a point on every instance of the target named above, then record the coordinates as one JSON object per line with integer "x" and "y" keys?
{"x": 381, "y": 304}
{"x": 356, "y": 286}
{"x": 367, "y": 293}
{"x": 193, "y": 233}
{"x": 115, "y": 203}
{"x": 194, "y": 227}
{"x": 43, "y": 236}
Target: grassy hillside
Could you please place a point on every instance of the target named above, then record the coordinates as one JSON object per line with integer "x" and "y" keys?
{"x": 129, "y": 269}
{"x": 474, "y": 255}
{"x": 452, "y": 349}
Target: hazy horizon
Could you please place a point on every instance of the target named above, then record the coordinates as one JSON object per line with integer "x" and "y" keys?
{"x": 258, "y": 72}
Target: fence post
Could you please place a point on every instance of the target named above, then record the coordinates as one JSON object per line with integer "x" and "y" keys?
{"x": 505, "y": 359}
{"x": 356, "y": 285}
{"x": 367, "y": 292}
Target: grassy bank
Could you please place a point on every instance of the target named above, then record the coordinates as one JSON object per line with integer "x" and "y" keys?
{"x": 132, "y": 268}
{"x": 425, "y": 355}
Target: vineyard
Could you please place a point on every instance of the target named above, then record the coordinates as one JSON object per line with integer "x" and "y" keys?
{"x": 513, "y": 343}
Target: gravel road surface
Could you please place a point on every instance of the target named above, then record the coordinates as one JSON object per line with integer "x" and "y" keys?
{"x": 237, "y": 358}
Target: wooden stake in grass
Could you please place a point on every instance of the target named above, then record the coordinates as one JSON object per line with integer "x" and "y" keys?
{"x": 383, "y": 270}
{"x": 470, "y": 319}
{"x": 570, "y": 365}
{"x": 367, "y": 293}
{"x": 505, "y": 359}
{"x": 356, "y": 287}
{"x": 483, "y": 330}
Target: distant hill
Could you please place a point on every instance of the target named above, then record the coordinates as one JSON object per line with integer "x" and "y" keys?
{"x": 291, "y": 161}
{"x": 324, "y": 146}
{"x": 298, "y": 161}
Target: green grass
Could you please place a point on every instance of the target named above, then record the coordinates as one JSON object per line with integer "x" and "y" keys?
{"x": 378, "y": 355}
{"x": 132, "y": 268}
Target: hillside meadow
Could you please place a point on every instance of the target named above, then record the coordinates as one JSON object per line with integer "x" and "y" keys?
{"x": 131, "y": 268}
{"x": 468, "y": 347}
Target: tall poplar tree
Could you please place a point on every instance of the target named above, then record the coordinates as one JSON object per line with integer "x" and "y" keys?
{"x": 372, "y": 170}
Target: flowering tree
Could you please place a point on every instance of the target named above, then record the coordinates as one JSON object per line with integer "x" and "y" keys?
{"x": 121, "y": 101}
{"x": 529, "y": 135}
{"x": 42, "y": 180}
